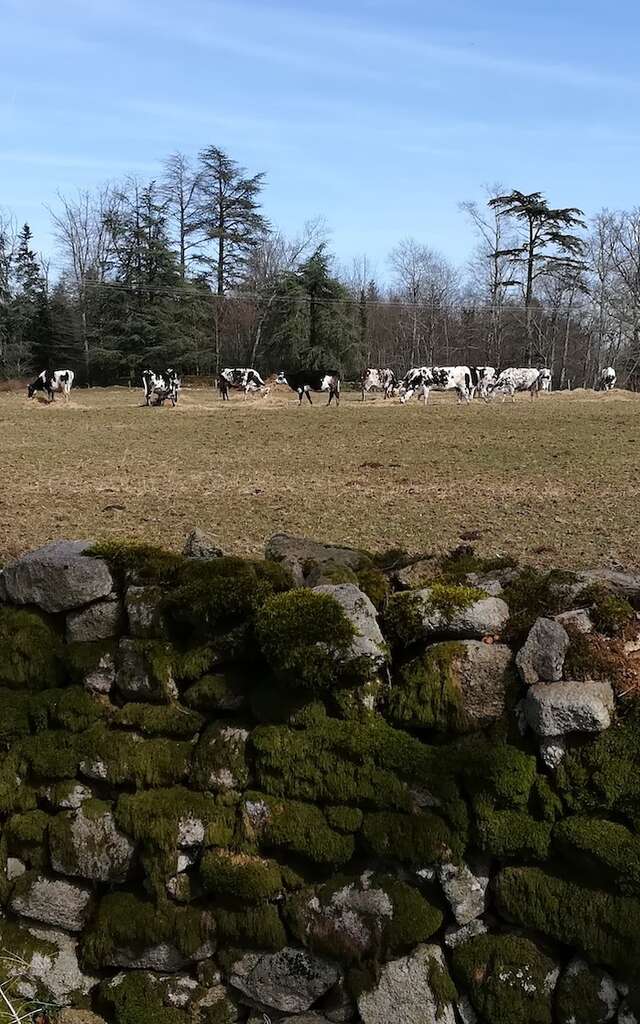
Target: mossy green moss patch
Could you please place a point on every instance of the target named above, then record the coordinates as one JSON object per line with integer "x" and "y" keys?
{"x": 426, "y": 691}
{"x": 255, "y": 927}
{"x": 416, "y": 839}
{"x": 303, "y": 636}
{"x": 344, "y": 819}
{"x": 510, "y": 835}
{"x": 137, "y": 998}
{"x": 125, "y": 922}
{"x": 296, "y": 828}
{"x": 220, "y": 692}
{"x": 508, "y": 979}
{"x": 455, "y": 566}
{"x": 606, "y": 849}
{"x": 30, "y": 651}
{"x": 602, "y": 926}
{"x": 609, "y": 613}
{"x": 157, "y": 720}
{"x": 601, "y": 774}
{"x": 154, "y": 816}
{"x": 240, "y": 875}
{"x": 532, "y": 595}
{"x": 123, "y": 758}
{"x": 30, "y": 827}
{"x": 375, "y": 584}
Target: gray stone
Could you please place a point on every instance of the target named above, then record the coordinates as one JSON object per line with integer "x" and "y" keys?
{"x": 353, "y": 915}
{"x": 466, "y": 1012}
{"x": 555, "y": 709}
{"x": 368, "y": 642}
{"x": 99, "y": 621}
{"x": 52, "y": 901}
{"x": 290, "y": 981}
{"x": 542, "y": 656}
{"x": 54, "y": 967}
{"x": 15, "y": 869}
{"x": 578, "y": 618}
{"x": 58, "y": 577}
{"x": 299, "y": 555}
{"x": 403, "y": 992}
{"x": 191, "y": 832}
{"x": 457, "y": 935}
{"x": 482, "y": 673}
{"x": 418, "y": 574}
{"x": 164, "y": 957}
{"x": 626, "y": 1015}
{"x": 199, "y": 544}
{"x": 70, "y": 1016}
{"x": 101, "y": 678}
{"x": 485, "y": 617}
{"x": 90, "y": 846}
{"x": 144, "y": 612}
{"x": 552, "y": 751}
{"x": 465, "y": 891}
{"x": 73, "y": 797}
{"x": 136, "y": 677}
{"x": 220, "y": 762}
{"x": 623, "y": 584}
{"x": 581, "y": 983}
{"x": 215, "y": 1005}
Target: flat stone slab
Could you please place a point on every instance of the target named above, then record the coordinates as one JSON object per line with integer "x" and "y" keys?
{"x": 290, "y": 981}
{"x": 300, "y": 554}
{"x": 58, "y": 577}
{"x": 53, "y": 901}
{"x": 555, "y": 709}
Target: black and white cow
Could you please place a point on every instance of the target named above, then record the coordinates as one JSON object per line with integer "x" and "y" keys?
{"x": 437, "y": 378}
{"x": 545, "y": 379}
{"x": 606, "y": 379}
{"x": 515, "y": 378}
{"x": 482, "y": 377}
{"x": 241, "y": 378}
{"x": 305, "y": 381}
{"x": 383, "y": 380}
{"x": 158, "y": 387}
{"x": 52, "y": 382}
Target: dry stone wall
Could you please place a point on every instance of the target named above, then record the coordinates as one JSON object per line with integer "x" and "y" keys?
{"x": 321, "y": 787}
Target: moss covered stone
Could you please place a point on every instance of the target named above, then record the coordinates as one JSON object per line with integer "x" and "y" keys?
{"x": 375, "y": 584}
{"x": 256, "y": 927}
{"x": 15, "y": 794}
{"x": 157, "y": 817}
{"x": 127, "y": 925}
{"x": 219, "y": 760}
{"x": 30, "y": 651}
{"x": 585, "y": 994}
{"x": 296, "y": 828}
{"x": 240, "y": 875}
{"x": 362, "y": 919}
{"x": 125, "y": 758}
{"x": 54, "y": 754}
{"x": 426, "y": 692}
{"x": 27, "y": 828}
{"x": 137, "y": 998}
{"x": 416, "y": 839}
{"x": 608, "y": 850}
{"x": 609, "y": 613}
{"x": 158, "y": 720}
{"x": 223, "y": 692}
{"x": 533, "y": 595}
{"x": 601, "y": 775}
{"x": 602, "y": 926}
{"x": 507, "y": 978}
{"x": 303, "y": 636}
{"x": 344, "y": 819}
{"x": 510, "y": 834}
{"x": 458, "y": 564}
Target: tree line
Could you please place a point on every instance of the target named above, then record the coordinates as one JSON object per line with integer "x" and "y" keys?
{"x": 186, "y": 270}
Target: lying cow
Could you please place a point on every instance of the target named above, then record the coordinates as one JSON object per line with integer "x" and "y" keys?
{"x": 606, "y": 379}
{"x": 52, "y": 382}
{"x": 378, "y": 380}
{"x": 482, "y": 377}
{"x": 516, "y": 378}
{"x": 240, "y": 379}
{"x": 305, "y": 381}
{"x": 437, "y": 378}
{"x": 158, "y": 387}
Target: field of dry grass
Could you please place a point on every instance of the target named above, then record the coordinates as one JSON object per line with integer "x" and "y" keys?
{"x": 554, "y": 481}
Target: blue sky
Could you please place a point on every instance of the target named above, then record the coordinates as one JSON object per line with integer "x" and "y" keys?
{"x": 381, "y": 117}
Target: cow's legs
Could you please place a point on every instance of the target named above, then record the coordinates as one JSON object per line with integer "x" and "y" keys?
{"x": 425, "y": 392}
{"x": 307, "y": 392}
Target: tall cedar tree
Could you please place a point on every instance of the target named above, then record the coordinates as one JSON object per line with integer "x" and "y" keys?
{"x": 549, "y": 246}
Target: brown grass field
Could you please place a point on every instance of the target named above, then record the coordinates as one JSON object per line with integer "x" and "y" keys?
{"x": 553, "y": 481}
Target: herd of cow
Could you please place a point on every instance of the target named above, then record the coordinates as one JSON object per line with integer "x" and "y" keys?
{"x": 467, "y": 381}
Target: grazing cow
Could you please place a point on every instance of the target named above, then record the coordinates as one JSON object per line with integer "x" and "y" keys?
{"x": 481, "y": 379}
{"x": 378, "y": 380}
{"x": 437, "y": 378}
{"x": 545, "y": 379}
{"x": 606, "y": 379}
{"x": 306, "y": 381}
{"x": 52, "y": 381}
{"x": 241, "y": 379}
{"x": 516, "y": 379}
{"x": 158, "y": 387}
